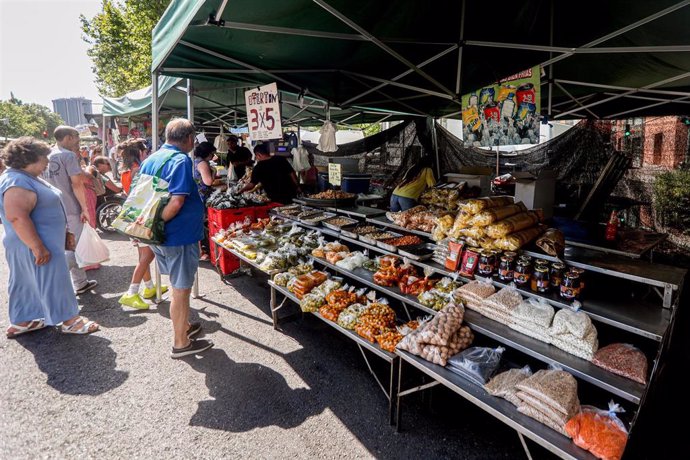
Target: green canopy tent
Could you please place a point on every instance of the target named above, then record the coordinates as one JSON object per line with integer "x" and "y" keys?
{"x": 612, "y": 59}
{"x": 221, "y": 103}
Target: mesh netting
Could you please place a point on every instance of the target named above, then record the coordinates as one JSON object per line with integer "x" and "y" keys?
{"x": 578, "y": 155}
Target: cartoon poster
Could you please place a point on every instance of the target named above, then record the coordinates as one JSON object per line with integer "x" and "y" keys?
{"x": 506, "y": 113}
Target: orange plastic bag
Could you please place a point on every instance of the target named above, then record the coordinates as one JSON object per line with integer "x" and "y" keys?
{"x": 600, "y": 432}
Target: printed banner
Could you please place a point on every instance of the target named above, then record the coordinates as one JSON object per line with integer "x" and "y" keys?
{"x": 263, "y": 113}
{"x": 506, "y": 113}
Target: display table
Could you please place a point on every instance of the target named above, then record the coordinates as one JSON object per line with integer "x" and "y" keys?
{"x": 499, "y": 408}
{"x": 640, "y": 321}
{"x": 389, "y": 390}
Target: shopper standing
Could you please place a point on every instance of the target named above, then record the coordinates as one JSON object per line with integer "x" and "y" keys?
{"x": 417, "y": 178}
{"x": 178, "y": 256}
{"x": 65, "y": 174}
{"x": 35, "y": 240}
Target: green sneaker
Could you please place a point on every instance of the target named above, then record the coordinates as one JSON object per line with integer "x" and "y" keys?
{"x": 151, "y": 293}
{"x": 134, "y": 301}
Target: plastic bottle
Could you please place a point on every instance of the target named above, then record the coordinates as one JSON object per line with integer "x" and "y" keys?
{"x": 612, "y": 226}
{"x": 508, "y": 107}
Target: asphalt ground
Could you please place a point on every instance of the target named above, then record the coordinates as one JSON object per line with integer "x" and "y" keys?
{"x": 304, "y": 392}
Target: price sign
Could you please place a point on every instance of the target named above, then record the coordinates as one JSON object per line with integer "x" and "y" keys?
{"x": 263, "y": 113}
{"x": 334, "y": 173}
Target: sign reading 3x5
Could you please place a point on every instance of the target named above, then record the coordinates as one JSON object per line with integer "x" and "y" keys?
{"x": 263, "y": 112}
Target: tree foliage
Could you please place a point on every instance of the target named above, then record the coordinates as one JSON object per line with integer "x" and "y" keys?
{"x": 672, "y": 199}
{"x": 26, "y": 119}
{"x": 120, "y": 43}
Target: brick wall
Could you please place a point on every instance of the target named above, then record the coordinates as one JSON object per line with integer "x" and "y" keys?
{"x": 665, "y": 142}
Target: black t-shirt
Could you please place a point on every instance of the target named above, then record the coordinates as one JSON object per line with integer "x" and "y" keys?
{"x": 274, "y": 175}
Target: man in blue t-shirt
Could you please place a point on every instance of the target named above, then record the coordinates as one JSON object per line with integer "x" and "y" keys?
{"x": 178, "y": 256}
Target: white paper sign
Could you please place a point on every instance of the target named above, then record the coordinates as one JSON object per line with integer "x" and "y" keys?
{"x": 263, "y": 112}
{"x": 201, "y": 137}
{"x": 334, "y": 173}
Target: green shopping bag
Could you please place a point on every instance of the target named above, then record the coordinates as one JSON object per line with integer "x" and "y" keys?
{"x": 140, "y": 217}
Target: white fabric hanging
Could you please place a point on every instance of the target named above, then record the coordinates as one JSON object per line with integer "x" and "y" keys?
{"x": 300, "y": 159}
{"x": 221, "y": 142}
{"x": 327, "y": 139}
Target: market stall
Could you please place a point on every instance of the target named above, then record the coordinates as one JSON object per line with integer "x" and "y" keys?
{"x": 642, "y": 322}
{"x": 390, "y": 65}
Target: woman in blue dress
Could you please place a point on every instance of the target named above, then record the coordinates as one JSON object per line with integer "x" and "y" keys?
{"x": 35, "y": 239}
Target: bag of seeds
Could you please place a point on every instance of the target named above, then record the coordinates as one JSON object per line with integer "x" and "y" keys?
{"x": 554, "y": 387}
{"x": 572, "y": 321}
{"x": 623, "y": 359}
{"x": 503, "y": 385}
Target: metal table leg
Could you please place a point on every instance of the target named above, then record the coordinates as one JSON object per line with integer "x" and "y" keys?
{"x": 274, "y": 309}
{"x": 402, "y": 393}
{"x": 524, "y": 446}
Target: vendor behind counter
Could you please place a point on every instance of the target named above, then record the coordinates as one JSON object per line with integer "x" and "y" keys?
{"x": 275, "y": 174}
{"x": 416, "y": 180}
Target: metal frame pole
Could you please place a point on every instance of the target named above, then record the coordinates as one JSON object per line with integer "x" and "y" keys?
{"x": 460, "y": 48}
{"x": 190, "y": 117}
{"x": 154, "y": 147}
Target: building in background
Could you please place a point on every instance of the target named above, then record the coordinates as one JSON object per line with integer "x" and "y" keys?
{"x": 73, "y": 109}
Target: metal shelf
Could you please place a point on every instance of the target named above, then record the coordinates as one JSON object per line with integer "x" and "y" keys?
{"x": 499, "y": 408}
{"x": 382, "y": 220}
{"x": 246, "y": 259}
{"x": 621, "y": 267}
{"x": 352, "y": 335}
{"x": 359, "y": 211}
{"x": 634, "y": 316}
{"x": 549, "y": 354}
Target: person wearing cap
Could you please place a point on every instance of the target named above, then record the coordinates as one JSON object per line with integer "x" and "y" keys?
{"x": 275, "y": 175}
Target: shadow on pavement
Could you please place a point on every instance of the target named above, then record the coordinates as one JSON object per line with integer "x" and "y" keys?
{"x": 236, "y": 389}
{"x": 75, "y": 365}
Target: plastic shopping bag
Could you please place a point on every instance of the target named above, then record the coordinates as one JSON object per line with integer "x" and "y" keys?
{"x": 90, "y": 249}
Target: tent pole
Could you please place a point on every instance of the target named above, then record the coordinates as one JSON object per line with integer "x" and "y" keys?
{"x": 104, "y": 135}
{"x": 621, "y": 31}
{"x": 615, "y": 115}
{"x": 399, "y": 76}
{"x": 342, "y": 17}
{"x": 190, "y": 117}
{"x": 550, "y": 68}
{"x": 434, "y": 142}
{"x": 154, "y": 147}
{"x": 632, "y": 91}
{"x": 559, "y": 86}
{"x": 628, "y": 88}
{"x": 461, "y": 46}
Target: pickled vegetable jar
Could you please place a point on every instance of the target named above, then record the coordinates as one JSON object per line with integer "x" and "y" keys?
{"x": 523, "y": 273}
{"x": 556, "y": 275}
{"x": 505, "y": 269}
{"x": 540, "y": 279}
{"x": 570, "y": 288}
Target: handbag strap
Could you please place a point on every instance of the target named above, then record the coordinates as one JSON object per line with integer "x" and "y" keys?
{"x": 166, "y": 158}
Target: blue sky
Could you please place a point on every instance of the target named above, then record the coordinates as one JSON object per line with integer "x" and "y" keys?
{"x": 42, "y": 55}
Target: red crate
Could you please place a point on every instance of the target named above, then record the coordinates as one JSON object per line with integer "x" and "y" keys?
{"x": 225, "y": 217}
{"x": 219, "y": 219}
{"x": 261, "y": 212}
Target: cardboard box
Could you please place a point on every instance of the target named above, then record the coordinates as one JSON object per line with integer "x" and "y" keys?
{"x": 475, "y": 177}
{"x": 536, "y": 192}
